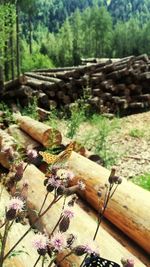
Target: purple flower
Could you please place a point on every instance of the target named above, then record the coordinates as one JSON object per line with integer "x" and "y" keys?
{"x": 15, "y": 204}
{"x": 90, "y": 246}
{"x": 40, "y": 241}
{"x": 32, "y": 155}
{"x": 54, "y": 182}
{"x": 65, "y": 174}
{"x": 58, "y": 242}
{"x": 127, "y": 262}
{"x": 69, "y": 213}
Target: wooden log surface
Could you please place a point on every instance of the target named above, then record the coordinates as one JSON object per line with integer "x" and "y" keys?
{"x": 6, "y": 142}
{"x": 29, "y": 255}
{"x": 83, "y": 225}
{"x": 15, "y": 83}
{"x": 22, "y": 138}
{"x": 39, "y": 131}
{"x": 129, "y": 207}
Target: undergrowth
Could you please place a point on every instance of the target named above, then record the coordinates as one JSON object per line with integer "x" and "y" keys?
{"x": 143, "y": 180}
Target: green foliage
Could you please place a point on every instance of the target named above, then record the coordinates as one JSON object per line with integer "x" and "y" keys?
{"x": 7, "y": 117}
{"x": 97, "y": 140}
{"x": 31, "y": 109}
{"x": 137, "y": 133}
{"x": 36, "y": 60}
{"x": 76, "y": 118}
{"x": 143, "y": 180}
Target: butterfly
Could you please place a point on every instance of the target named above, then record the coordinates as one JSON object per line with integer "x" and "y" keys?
{"x": 61, "y": 158}
{"x": 96, "y": 261}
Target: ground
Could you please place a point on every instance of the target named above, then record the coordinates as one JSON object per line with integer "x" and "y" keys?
{"x": 130, "y": 142}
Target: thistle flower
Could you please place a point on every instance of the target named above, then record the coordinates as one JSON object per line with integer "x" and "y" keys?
{"x": 58, "y": 242}
{"x": 40, "y": 242}
{"x": 32, "y": 155}
{"x": 127, "y": 262}
{"x": 91, "y": 247}
{"x": 65, "y": 174}
{"x": 69, "y": 213}
{"x": 15, "y": 205}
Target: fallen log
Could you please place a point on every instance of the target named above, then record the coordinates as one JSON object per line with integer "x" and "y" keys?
{"x": 23, "y": 91}
{"x": 39, "y": 131}
{"x": 23, "y": 139}
{"x": 44, "y": 78}
{"x": 126, "y": 209}
{"x": 15, "y": 83}
{"x": 83, "y": 225}
{"x": 7, "y": 149}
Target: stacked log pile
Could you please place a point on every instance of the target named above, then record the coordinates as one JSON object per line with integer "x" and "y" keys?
{"x": 117, "y": 85}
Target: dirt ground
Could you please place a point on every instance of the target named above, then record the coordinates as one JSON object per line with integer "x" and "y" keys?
{"x": 134, "y": 150}
{"x": 131, "y": 142}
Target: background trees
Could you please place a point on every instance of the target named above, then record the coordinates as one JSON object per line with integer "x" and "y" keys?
{"x": 44, "y": 33}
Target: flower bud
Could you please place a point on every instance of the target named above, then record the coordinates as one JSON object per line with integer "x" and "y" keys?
{"x": 50, "y": 188}
{"x": 11, "y": 214}
{"x": 31, "y": 155}
{"x": 60, "y": 190}
{"x": 64, "y": 224}
{"x": 79, "y": 250}
{"x": 42, "y": 251}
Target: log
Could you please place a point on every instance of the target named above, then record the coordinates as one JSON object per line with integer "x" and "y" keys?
{"x": 39, "y": 131}
{"x": 23, "y": 139}
{"x": 23, "y": 91}
{"x": 43, "y": 100}
{"x": 15, "y": 83}
{"x": 43, "y": 114}
{"x": 126, "y": 209}
{"x": 43, "y": 78}
{"x": 6, "y": 141}
{"x": 83, "y": 225}
{"x": 29, "y": 255}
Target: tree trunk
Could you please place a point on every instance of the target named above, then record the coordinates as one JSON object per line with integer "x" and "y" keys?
{"x": 30, "y": 34}
{"x": 17, "y": 40}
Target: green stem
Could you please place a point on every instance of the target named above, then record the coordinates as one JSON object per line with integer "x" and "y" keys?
{"x": 37, "y": 261}
{"x": 4, "y": 239}
{"x": 43, "y": 203}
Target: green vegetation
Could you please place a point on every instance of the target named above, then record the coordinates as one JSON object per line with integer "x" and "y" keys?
{"x": 137, "y": 133}
{"x": 143, "y": 181}
{"x": 96, "y": 138}
{"x": 31, "y": 109}
{"x": 43, "y": 34}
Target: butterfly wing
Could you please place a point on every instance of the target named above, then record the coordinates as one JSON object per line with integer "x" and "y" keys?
{"x": 96, "y": 261}
{"x": 48, "y": 158}
{"x": 58, "y": 159}
{"x": 65, "y": 155}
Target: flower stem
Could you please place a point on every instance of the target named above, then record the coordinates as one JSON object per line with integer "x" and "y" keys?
{"x": 4, "y": 239}
{"x": 37, "y": 261}
{"x": 43, "y": 203}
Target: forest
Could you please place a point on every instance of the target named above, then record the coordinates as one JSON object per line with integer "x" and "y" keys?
{"x": 42, "y": 33}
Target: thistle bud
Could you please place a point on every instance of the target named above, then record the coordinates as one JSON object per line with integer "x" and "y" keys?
{"x": 11, "y": 214}
{"x": 60, "y": 190}
{"x": 19, "y": 172}
{"x": 50, "y": 188}
{"x": 64, "y": 224}
{"x": 42, "y": 251}
{"x": 79, "y": 250}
